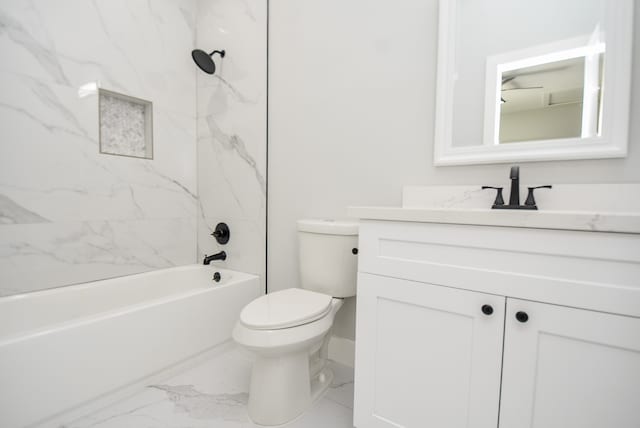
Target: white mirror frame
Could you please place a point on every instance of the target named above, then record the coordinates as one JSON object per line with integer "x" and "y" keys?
{"x": 613, "y": 141}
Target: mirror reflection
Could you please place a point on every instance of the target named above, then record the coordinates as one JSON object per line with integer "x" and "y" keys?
{"x": 554, "y": 100}
{"x": 522, "y": 80}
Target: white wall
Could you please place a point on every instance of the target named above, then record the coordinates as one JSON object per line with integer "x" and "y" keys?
{"x": 232, "y": 137}
{"x": 351, "y": 119}
{"x": 67, "y": 213}
{"x": 350, "y": 101}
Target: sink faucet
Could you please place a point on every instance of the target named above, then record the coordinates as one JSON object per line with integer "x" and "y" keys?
{"x": 219, "y": 256}
{"x": 514, "y": 195}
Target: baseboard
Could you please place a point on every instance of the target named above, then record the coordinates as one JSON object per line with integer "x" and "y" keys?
{"x": 342, "y": 350}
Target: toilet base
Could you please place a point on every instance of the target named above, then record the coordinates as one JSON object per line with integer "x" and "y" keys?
{"x": 290, "y": 368}
{"x": 283, "y": 387}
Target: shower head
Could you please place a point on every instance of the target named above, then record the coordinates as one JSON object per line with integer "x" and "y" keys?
{"x": 204, "y": 60}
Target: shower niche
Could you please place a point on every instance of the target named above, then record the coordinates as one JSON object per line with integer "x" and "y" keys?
{"x": 126, "y": 125}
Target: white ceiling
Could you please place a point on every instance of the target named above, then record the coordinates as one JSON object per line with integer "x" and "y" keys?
{"x": 543, "y": 85}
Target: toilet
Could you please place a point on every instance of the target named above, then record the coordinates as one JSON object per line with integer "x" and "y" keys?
{"x": 288, "y": 331}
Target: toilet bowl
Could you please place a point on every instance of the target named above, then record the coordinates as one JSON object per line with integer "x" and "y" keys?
{"x": 289, "y": 371}
{"x": 288, "y": 331}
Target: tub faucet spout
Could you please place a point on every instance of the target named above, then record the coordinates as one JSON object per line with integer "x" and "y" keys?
{"x": 219, "y": 256}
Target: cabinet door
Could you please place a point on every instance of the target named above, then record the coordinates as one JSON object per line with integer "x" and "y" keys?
{"x": 567, "y": 367}
{"x": 426, "y": 355}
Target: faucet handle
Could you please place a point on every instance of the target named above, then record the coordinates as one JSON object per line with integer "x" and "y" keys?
{"x": 531, "y": 202}
{"x": 499, "y": 201}
{"x": 221, "y": 233}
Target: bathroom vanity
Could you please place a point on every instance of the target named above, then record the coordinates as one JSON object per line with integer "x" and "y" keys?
{"x": 471, "y": 317}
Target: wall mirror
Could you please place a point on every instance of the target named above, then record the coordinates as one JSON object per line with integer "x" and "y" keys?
{"x": 522, "y": 80}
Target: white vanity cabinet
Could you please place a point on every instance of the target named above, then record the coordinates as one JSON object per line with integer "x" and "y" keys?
{"x": 560, "y": 348}
{"x": 427, "y": 356}
{"x": 567, "y": 367}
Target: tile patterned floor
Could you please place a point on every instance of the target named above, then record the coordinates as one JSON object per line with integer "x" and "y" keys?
{"x": 214, "y": 395}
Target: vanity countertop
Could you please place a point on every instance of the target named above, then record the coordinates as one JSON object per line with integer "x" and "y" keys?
{"x": 621, "y": 222}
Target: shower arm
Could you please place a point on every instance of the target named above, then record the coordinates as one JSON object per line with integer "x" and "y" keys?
{"x": 218, "y": 52}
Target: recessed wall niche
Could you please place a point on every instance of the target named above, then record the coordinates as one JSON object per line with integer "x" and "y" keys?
{"x": 126, "y": 125}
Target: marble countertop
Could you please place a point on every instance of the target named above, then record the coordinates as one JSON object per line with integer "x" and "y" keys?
{"x": 621, "y": 222}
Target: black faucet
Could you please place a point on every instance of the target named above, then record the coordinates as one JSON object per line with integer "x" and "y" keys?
{"x": 514, "y": 195}
{"x": 219, "y": 256}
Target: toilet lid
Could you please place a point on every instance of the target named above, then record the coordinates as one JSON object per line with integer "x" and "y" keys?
{"x": 284, "y": 309}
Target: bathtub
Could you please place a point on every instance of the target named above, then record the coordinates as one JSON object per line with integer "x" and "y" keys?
{"x": 64, "y": 347}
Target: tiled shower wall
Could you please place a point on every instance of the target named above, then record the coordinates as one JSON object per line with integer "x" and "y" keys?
{"x": 232, "y": 140}
{"x": 69, "y": 214}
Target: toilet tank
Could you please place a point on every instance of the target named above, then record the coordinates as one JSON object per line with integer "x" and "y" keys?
{"x": 326, "y": 256}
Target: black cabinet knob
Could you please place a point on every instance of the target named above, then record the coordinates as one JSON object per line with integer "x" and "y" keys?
{"x": 354, "y": 251}
{"x": 522, "y": 316}
{"x": 487, "y": 309}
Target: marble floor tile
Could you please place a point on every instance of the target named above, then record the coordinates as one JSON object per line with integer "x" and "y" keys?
{"x": 214, "y": 395}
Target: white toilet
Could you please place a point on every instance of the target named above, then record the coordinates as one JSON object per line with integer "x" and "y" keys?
{"x": 288, "y": 330}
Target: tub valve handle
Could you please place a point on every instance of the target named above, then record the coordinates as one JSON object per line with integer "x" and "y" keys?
{"x": 216, "y": 277}
{"x": 221, "y": 233}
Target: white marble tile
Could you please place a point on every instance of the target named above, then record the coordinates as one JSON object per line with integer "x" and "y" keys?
{"x": 51, "y": 162}
{"x": 231, "y": 130}
{"x": 229, "y": 185}
{"x": 207, "y": 167}
{"x": 214, "y": 394}
{"x": 68, "y": 213}
{"x": 141, "y": 48}
{"x": 341, "y": 389}
{"x": 44, "y": 255}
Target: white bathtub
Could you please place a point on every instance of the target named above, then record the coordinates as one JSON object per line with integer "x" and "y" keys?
{"x": 61, "y": 348}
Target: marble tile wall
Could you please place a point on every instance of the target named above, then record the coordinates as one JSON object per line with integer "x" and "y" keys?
{"x": 69, "y": 214}
{"x": 231, "y": 130}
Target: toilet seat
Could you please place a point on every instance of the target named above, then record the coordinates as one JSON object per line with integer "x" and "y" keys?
{"x": 285, "y": 309}
{"x": 284, "y": 340}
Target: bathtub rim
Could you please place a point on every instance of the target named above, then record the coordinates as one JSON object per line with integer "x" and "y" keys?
{"x": 121, "y": 310}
